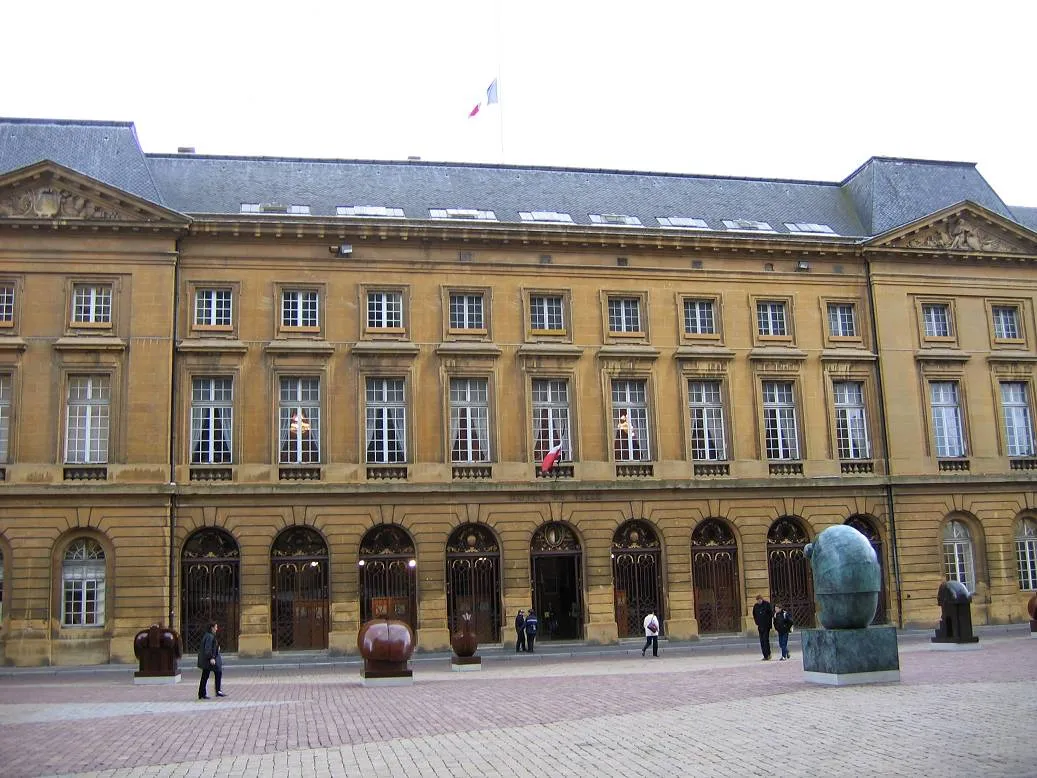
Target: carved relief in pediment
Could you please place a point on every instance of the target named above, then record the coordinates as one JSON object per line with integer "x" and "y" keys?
{"x": 55, "y": 202}
{"x": 960, "y": 234}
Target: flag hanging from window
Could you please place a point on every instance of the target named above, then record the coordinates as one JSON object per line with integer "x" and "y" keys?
{"x": 550, "y": 458}
{"x": 492, "y": 98}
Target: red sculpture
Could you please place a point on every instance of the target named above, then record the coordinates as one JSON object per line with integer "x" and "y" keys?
{"x": 385, "y": 645}
{"x": 464, "y": 642}
{"x": 157, "y": 650}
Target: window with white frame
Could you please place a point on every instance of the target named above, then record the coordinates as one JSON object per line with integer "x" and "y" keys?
{"x": 779, "y": 420}
{"x": 212, "y": 308}
{"x": 1006, "y": 322}
{"x": 683, "y": 222}
{"x": 936, "y": 318}
{"x": 706, "y": 407}
{"x": 699, "y": 317}
{"x": 957, "y": 554}
{"x": 380, "y": 211}
{"x": 546, "y": 313}
{"x": 1015, "y": 405}
{"x": 462, "y": 213}
{"x": 92, "y": 304}
{"x": 82, "y": 583}
{"x": 615, "y": 219}
{"x": 298, "y": 421}
{"x": 851, "y": 425}
{"x": 747, "y": 225}
{"x": 948, "y": 432}
{"x": 385, "y": 434}
{"x": 545, "y": 216}
{"x": 384, "y": 310}
{"x": 809, "y": 228}
{"x": 632, "y": 437}
{"x": 624, "y": 314}
{"x": 299, "y": 308}
{"x": 212, "y": 421}
{"x": 466, "y": 311}
{"x": 5, "y": 417}
{"x": 469, "y": 420}
{"x": 551, "y": 418}
{"x": 87, "y": 415}
{"x": 1026, "y": 554}
{"x": 770, "y": 318}
{"x": 6, "y": 303}
{"x": 842, "y": 320}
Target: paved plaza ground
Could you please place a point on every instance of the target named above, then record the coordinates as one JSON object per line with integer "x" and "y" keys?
{"x": 697, "y": 710}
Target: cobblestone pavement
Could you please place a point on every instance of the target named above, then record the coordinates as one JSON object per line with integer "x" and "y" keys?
{"x": 961, "y": 713}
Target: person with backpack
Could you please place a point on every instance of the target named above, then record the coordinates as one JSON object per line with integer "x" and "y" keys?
{"x": 520, "y": 632}
{"x": 651, "y": 634}
{"x": 783, "y": 626}
{"x": 531, "y": 629}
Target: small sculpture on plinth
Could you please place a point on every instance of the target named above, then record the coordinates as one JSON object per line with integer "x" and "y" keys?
{"x": 157, "y": 649}
{"x": 955, "y": 629}
{"x": 465, "y": 644}
{"x": 386, "y": 646}
{"x": 1031, "y": 608}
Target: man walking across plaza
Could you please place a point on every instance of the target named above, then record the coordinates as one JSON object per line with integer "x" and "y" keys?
{"x": 531, "y": 629}
{"x": 651, "y": 634}
{"x": 520, "y": 632}
{"x": 763, "y": 615}
{"x": 783, "y": 626}
{"x": 210, "y": 661}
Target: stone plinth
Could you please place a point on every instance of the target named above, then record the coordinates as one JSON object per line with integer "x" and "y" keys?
{"x": 465, "y": 664}
{"x": 840, "y": 657}
{"x": 155, "y": 680}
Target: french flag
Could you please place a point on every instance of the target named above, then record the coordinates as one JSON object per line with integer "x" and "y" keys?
{"x": 550, "y": 458}
{"x": 492, "y": 98}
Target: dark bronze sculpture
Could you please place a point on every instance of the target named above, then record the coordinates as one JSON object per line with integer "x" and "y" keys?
{"x": 386, "y": 646}
{"x": 157, "y": 650}
{"x": 955, "y": 603}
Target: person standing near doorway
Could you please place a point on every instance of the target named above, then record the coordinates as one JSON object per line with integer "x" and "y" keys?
{"x": 210, "y": 661}
{"x": 651, "y": 634}
{"x": 531, "y": 629}
{"x": 783, "y": 626}
{"x": 763, "y": 615}
{"x": 520, "y": 631}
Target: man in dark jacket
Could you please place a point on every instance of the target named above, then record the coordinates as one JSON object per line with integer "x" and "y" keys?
{"x": 763, "y": 615}
{"x": 520, "y": 632}
{"x": 783, "y": 626}
{"x": 531, "y": 629}
{"x": 210, "y": 661}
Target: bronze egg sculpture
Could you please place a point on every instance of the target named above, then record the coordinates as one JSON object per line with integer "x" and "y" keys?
{"x": 847, "y": 577}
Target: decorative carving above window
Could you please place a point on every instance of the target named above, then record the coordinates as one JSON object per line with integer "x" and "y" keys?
{"x": 554, "y": 536}
{"x": 472, "y": 539}
{"x": 211, "y": 543}
{"x": 299, "y": 541}
{"x": 786, "y": 531}
{"x": 712, "y": 532}
{"x": 386, "y": 540}
{"x": 635, "y": 534}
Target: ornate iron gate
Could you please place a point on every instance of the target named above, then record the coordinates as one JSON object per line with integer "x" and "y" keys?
{"x": 636, "y": 577}
{"x": 388, "y": 582}
{"x": 209, "y": 590}
{"x": 473, "y": 581}
{"x": 557, "y": 568}
{"x": 714, "y": 571}
{"x": 865, "y": 526}
{"x": 299, "y": 582}
{"x": 789, "y": 571}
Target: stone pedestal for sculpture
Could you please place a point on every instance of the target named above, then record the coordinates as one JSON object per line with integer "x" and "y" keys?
{"x": 840, "y": 657}
{"x": 386, "y": 646}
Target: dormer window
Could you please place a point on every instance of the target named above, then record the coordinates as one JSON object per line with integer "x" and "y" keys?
{"x": 545, "y": 216}
{"x": 298, "y": 210}
{"x": 462, "y": 213}
{"x": 251, "y": 208}
{"x": 809, "y": 228}
{"x": 379, "y": 211}
{"x": 615, "y": 219}
{"x": 682, "y": 222}
{"x": 746, "y": 225}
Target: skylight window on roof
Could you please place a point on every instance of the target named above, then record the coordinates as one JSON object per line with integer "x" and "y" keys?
{"x": 298, "y": 210}
{"x": 369, "y": 210}
{"x": 462, "y": 213}
{"x": 809, "y": 227}
{"x": 615, "y": 219}
{"x": 747, "y": 225}
{"x": 683, "y": 222}
{"x": 545, "y": 216}
{"x": 251, "y": 208}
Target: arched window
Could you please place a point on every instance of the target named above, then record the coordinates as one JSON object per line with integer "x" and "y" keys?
{"x": 957, "y": 554}
{"x": 1026, "y": 552}
{"x": 82, "y": 584}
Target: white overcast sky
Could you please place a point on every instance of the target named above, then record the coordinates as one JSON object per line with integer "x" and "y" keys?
{"x": 800, "y": 90}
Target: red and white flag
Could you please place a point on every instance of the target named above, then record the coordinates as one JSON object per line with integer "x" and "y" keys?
{"x": 550, "y": 458}
{"x": 492, "y": 98}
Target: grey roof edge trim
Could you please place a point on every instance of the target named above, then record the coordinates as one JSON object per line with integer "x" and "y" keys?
{"x": 912, "y": 160}
{"x": 68, "y": 122}
{"x": 147, "y": 166}
{"x": 936, "y": 215}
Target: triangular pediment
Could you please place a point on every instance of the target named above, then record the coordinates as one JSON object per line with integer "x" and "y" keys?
{"x": 965, "y": 228}
{"x": 48, "y": 192}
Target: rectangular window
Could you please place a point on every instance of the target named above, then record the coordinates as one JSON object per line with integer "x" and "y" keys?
{"x": 386, "y": 414}
{"x": 5, "y": 417}
{"x": 615, "y": 219}
{"x": 212, "y": 421}
{"x": 957, "y": 562}
{"x": 380, "y": 211}
{"x": 551, "y": 418}
{"x": 299, "y": 308}
{"x": 462, "y": 213}
{"x": 6, "y": 304}
{"x": 707, "y": 421}
{"x": 948, "y": 432}
{"x": 1015, "y": 404}
{"x": 624, "y": 314}
{"x": 842, "y": 320}
{"x": 298, "y": 421}
{"x": 83, "y": 587}
{"x": 851, "y": 426}
{"x": 469, "y": 420}
{"x": 466, "y": 312}
{"x": 385, "y": 310}
{"x": 683, "y": 222}
{"x": 632, "y": 440}
{"x": 937, "y": 320}
{"x": 92, "y": 304}
{"x": 699, "y": 317}
{"x": 545, "y": 313}
{"x": 87, "y": 419}
{"x": 770, "y": 318}
{"x": 779, "y": 420}
{"x": 746, "y": 225}
{"x": 212, "y": 308}
{"x": 809, "y": 227}
{"x": 1006, "y": 322}
{"x": 545, "y": 216}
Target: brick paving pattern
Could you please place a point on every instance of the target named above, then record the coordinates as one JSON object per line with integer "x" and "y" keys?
{"x": 687, "y": 713}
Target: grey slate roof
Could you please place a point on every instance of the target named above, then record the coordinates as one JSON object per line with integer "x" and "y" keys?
{"x": 1026, "y": 216}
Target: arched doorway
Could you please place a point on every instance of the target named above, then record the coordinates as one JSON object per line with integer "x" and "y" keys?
{"x": 388, "y": 576}
{"x": 636, "y": 577}
{"x": 299, "y": 581}
{"x": 557, "y": 565}
{"x": 789, "y": 571}
{"x": 866, "y": 527}
{"x": 209, "y": 588}
{"x": 714, "y": 573}
{"x": 473, "y": 581}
